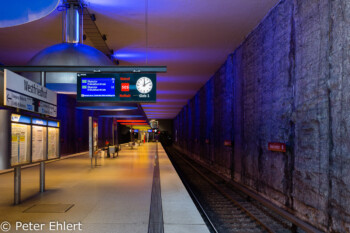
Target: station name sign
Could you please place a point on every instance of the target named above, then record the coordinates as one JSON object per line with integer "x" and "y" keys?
{"x": 123, "y": 87}
{"x": 35, "y": 89}
{"x": 18, "y": 92}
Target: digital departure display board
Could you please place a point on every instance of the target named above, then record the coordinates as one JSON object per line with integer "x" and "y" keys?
{"x": 126, "y": 87}
{"x": 98, "y": 87}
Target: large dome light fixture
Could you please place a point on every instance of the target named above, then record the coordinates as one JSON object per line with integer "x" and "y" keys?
{"x": 70, "y": 53}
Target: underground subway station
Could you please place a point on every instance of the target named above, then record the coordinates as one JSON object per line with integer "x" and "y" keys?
{"x": 176, "y": 116}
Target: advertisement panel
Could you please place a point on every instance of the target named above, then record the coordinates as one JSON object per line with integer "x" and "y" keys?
{"x": 20, "y": 144}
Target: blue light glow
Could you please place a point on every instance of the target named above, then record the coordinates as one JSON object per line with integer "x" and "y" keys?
{"x": 146, "y": 106}
{"x": 158, "y": 114}
{"x": 179, "y": 79}
{"x": 120, "y": 55}
{"x": 122, "y": 116}
{"x": 107, "y": 108}
{"x": 161, "y": 110}
{"x": 172, "y": 100}
{"x": 176, "y": 92}
{"x": 18, "y": 12}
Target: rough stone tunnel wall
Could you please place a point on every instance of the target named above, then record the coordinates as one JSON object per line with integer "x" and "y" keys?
{"x": 289, "y": 82}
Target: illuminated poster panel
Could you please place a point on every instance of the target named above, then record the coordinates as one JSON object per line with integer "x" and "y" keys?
{"x": 20, "y": 144}
{"x": 39, "y": 139}
{"x": 53, "y": 141}
{"x": 95, "y": 135}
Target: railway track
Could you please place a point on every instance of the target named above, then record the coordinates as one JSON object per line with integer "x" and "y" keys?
{"x": 225, "y": 208}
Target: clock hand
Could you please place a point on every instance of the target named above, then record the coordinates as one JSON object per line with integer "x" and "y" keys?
{"x": 147, "y": 83}
{"x": 144, "y": 81}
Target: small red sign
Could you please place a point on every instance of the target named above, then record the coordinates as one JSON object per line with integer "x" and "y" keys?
{"x": 125, "y": 86}
{"x": 277, "y": 146}
{"x": 227, "y": 143}
{"x": 124, "y": 95}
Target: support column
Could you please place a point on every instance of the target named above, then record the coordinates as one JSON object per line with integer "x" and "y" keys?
{"x": 91, "y": 140}
{"x": 17, "y": 185}
{"x": 43, "y": 78}
{"x": 42, "y": 177}
{"x": 42, "y": 164}
{"x": 113, "y": 133}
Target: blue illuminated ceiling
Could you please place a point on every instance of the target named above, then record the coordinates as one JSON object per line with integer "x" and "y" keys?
{"x": 122, "y": 116}
{"x": 18, "y": 12}
{"x": 107, "y": 108}
{"x": 192, "y": 38}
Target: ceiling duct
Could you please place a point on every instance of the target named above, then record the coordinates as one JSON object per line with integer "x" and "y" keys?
{"x": 72, "y": 22}
{"x": 69, "y": 53}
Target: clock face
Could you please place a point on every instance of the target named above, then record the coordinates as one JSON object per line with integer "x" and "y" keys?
{"x": 144, "y": 85}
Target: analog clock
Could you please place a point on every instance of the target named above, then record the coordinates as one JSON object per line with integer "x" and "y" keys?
{"x": 144, "y": 85}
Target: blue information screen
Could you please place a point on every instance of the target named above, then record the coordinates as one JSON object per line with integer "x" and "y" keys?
{"x": 98, "y": 87}
{"x": 113, "y": 87}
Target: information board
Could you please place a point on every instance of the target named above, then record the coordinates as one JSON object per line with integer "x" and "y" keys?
{"x": 20, "y": 144}
{"x": 39, "y": 137}
{"x": 53, "y": 141}
{"x": 26, "y": 139}
{"x": 135, "y": 87}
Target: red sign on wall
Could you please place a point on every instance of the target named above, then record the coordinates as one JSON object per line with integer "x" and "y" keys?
{"x": 125, "y": 87}
{"x": 227, "y": 143}
{"x": 277, "y": 146}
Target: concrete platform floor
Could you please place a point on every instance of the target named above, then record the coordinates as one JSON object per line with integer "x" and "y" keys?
{"x": 113, "y": 197}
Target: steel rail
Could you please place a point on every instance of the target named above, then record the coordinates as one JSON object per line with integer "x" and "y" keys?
{"x": 268, "y": 229}
{"x": 197, "y": 202}
{"x": 283, "y": 213}
{"x": 288, "y": 216}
